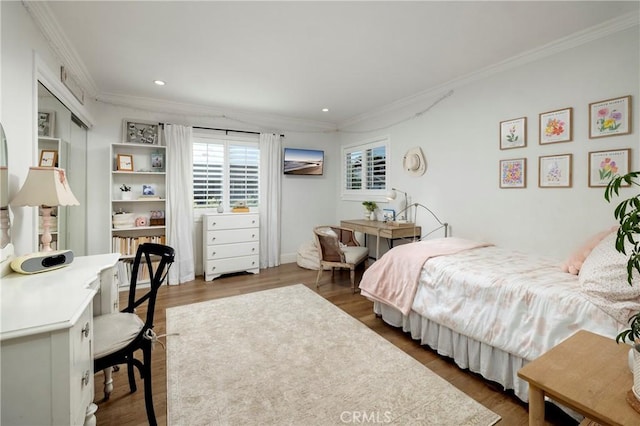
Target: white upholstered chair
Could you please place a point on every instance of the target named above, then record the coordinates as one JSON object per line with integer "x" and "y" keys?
{"x": 338, "y": 248}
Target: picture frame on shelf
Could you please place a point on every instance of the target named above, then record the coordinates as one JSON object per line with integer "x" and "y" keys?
{"x": 603, "y": 165}
{"x": 46, "y": 123}
{"x": 513, "y": 173}
{"x": 48, "y": 158}
{"x": 141, "y": 132}
{"x": 157, "y": 161}
{"x": 611, "y": 117}
{"x": 148, "y": 190}
{"x": 125, "y": 163}
{"x": 555, "y": 126}
{"x": 513, "y": 133}
{"x": 555, "y": 171}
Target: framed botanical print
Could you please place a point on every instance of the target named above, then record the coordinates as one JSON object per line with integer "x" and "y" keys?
{"x": 554, "y": 171}
{"x": 556, "y": 126}
{"x": 513, "y": 133}
{"x": 611, "y": 117}
{"x": 603, "y": 165}
{"x": 513, "y": 173}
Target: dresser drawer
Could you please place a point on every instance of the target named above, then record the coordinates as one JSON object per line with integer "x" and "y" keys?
{"x": 225, "y": 266}
{"x": 232, "y": 236}
{"x": 233, "y": 221}
{"x": 232, "y": 250}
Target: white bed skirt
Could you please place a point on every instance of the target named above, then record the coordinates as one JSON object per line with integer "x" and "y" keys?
{"x": 493, "y": 364}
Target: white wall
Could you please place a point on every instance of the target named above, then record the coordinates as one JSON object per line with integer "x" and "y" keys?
{"x": 459, "y": 137}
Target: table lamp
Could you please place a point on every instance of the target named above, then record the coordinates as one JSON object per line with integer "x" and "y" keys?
{"x": 392, "y": 196}
{"x": 45, "y": 187}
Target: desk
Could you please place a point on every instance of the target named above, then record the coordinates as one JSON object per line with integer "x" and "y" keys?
{"x": 46, "y": 333}
{"x": 382, "y": 229}
{"x": 588, "y": 373}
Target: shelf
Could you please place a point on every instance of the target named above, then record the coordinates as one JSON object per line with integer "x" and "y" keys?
{"x": 118, "y": 172}
{"x": 139, "y": 145}
{"x": 137, "y": 228}
{"x": 141, "y": 200}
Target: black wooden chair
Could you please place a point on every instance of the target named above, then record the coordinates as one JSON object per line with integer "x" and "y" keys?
{"x": 119, "y": 335}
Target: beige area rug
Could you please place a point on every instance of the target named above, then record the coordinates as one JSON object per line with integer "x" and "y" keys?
{"x": 287, "y": 356}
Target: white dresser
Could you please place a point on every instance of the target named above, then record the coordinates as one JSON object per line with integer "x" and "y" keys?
{"x": 46, "y": 330}
{"x": 231, "y": 243}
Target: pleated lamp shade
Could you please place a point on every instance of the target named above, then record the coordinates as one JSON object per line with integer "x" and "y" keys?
{"x": 45, "y": 186}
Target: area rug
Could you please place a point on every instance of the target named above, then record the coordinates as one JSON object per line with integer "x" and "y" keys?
{"x": 288, "y": 356}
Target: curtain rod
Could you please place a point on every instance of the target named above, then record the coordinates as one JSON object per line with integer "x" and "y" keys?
{"x": 226, "y": 131}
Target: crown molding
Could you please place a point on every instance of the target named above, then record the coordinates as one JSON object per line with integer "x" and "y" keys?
{"x": 255, "y": 120}
{"x": 579, "y": 38}
{"x": 53, "y": 33}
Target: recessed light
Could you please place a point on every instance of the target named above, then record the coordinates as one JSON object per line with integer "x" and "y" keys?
{"x": 159, "y": 82}
{"x": 325, "y": 109}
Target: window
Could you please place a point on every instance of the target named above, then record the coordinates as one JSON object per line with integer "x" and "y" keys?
{"x": 365, "y": 170}
{"x": 225, "y": 171}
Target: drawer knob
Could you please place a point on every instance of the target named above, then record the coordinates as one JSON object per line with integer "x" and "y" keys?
{"x": 214, "y": 224}
{"x": 213, "y": 254}
{"x": 213, "y": 268}
{"x": 253, "y": 235}
{"x": 213, "y": 238}
{"x": 253, "y": 263}
{"x": 253, "y": 249}
{"x": 85, "y": 330}
{"x": 85, "y": 378}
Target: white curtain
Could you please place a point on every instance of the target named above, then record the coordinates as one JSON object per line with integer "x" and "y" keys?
{"x": 270, "y": 195}
{"x": 180, "y": 201}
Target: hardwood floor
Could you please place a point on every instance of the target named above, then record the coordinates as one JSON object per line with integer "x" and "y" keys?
{"x": 125, "y": 408}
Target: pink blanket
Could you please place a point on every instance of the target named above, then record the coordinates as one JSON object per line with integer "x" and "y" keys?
{"x": 393, "y": 279}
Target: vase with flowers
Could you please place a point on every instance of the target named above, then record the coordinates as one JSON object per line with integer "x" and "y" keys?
{"x": 125, "y": 191}
{"x": 370, "y": 207}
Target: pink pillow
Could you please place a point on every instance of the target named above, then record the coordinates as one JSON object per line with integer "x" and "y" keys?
{"x": 573, "y": 264}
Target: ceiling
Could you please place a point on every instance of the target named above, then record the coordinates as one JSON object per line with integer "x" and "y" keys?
{"x": 291, "y": 59}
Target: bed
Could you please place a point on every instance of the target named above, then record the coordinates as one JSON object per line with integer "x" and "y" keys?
{"x": 493, "y": 310}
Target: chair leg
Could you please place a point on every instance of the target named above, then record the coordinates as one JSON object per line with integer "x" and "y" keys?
{"x": 318, "y": 277}
{"x": 148, "y": 396}
{"x": 352, "y": 275}
{"x": 131, "y": 373}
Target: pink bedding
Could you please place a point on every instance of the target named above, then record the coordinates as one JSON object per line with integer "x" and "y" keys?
{"x": 393, "y": 279}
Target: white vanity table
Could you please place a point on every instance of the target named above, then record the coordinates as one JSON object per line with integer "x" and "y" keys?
{"x": 46, "y": 332}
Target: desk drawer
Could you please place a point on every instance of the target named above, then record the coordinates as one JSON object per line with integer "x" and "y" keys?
{"x": 236, "y": 264}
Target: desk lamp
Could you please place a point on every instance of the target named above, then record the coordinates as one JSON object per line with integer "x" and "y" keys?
{"x": 45, "y": 187}
{"x": 392, "y": 196}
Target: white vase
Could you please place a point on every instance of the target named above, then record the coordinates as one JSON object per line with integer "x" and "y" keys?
{"x": 127, "y": 195}
{"x": 372, "y": 216}
{"x": 220, "y": 208}
{"x": 636, "y": 373}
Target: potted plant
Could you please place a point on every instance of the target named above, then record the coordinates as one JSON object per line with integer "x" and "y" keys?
{"x": 628, "y": 243}
{"x": 371, "y": 207}
{"x": 126, "y": 192}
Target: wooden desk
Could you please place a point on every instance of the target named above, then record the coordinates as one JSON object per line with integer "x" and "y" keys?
{"x": 382, "y": 229}
{"x": 588, "y": 373}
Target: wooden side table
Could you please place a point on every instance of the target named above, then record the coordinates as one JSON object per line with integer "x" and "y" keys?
{"x": 588, "y": 373}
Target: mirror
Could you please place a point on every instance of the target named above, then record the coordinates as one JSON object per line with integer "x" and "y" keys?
{"x": 5, "y": 236}
{"x": 63, "y": 139}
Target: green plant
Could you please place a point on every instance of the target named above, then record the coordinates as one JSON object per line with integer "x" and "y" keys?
{"x": 370, "y": 205}
{"x": 628, "y": 215}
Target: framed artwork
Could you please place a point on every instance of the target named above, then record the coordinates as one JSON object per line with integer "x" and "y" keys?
{"x": 513, "y": 133}
{"x": 554, "y": 171}
{"x": 388, "y": 215}
{"x": 48, "y": 158}
{"x": 136, "y": 131}
{"x": 556, "y": 126}
{"x": 611, "y": 117}
{"x": 513, "y": 173}
{"x": 603, "y": 165}
{"x": 46, "y": 123}
{"x": 125, "y": 163}
{"x": 148, "y": 190}
{"x": 157, "y": 161}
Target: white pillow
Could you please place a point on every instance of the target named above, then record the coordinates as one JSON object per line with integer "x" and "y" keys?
{"x": 603, "y": 280}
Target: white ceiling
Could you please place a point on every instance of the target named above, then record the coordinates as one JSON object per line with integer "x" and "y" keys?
{"x": 292, "y": 59}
